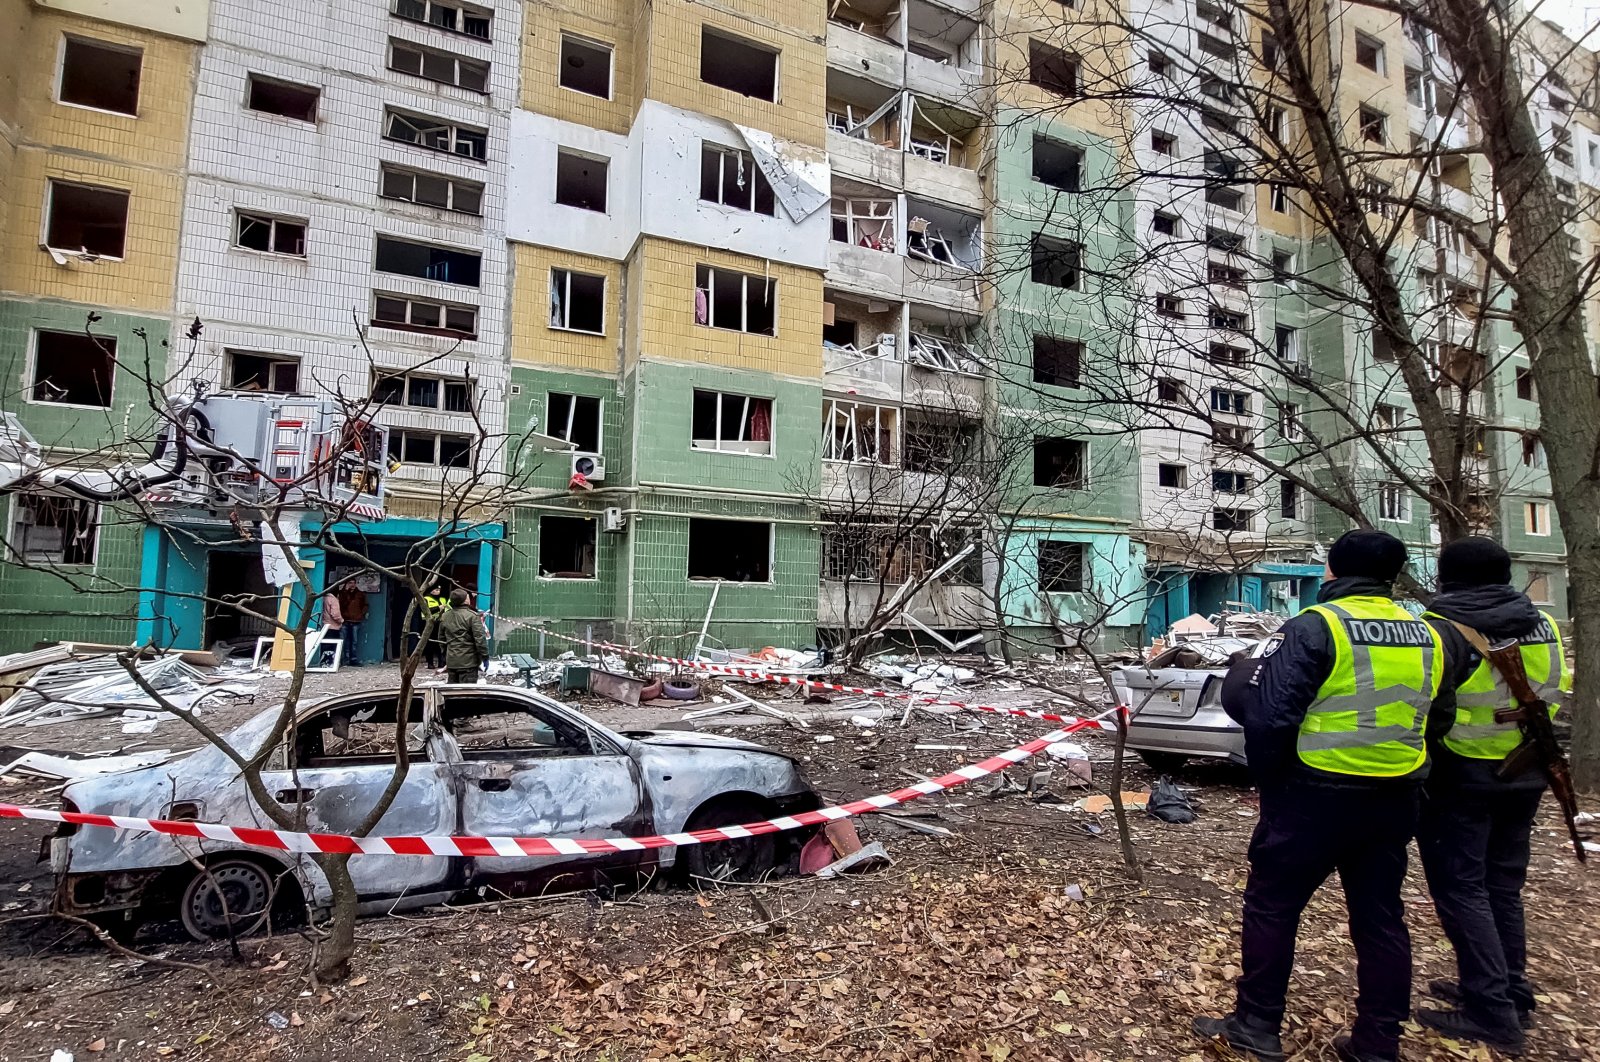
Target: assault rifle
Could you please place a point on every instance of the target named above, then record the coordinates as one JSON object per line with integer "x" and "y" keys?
{"x": 1532, "y": 716}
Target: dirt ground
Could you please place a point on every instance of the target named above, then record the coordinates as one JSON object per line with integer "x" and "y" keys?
{"x": 1021, "y": 937}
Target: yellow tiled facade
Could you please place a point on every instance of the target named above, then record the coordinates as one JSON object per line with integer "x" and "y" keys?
{"x": 609, "y": 22}
{"x": 142, "y": 154}
{"x": 664, "y": 273}
{"x": 533, "y": 341}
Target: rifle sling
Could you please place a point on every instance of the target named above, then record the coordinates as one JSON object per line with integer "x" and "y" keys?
{"x": 1515, "y": 675}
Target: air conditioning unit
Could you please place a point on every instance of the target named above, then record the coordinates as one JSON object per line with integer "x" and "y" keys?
{"x": 613, "y": 520}
{"x": 591, "y": 466}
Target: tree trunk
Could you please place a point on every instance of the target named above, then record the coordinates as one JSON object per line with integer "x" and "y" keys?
{"x": 335, "y": 950}
{"x": 1130, "y": 855}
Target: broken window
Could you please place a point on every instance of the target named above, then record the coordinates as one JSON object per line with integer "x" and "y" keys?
{"x": 1170, "y": 391}
{"x": 1288, "y": 499}
{"x": 283, "y": 98}
{"x": 1052, "y": 69}
{"x": 1394, "y": 502}
{"x": 581, "y": 181}
{"x": 259, "y": 232}
{"x": 1561, "y": 145}
{"x": 427, "y": 262}
{"x": 442, "y": 67}
{"x": 938, "y": 444}
{"x": 738, "y": 65}
{"x": 864, "y": 222}
{"x": 736, "y": 301}
{"x": 456, "y": 18}
{"x": 574, "y": 419}
{"x": 1525, "y": 386}
{"x": 1221, "y": 195}
{"x": 1532, "y": 450}
{"x": 1224, "y": 240}
{"x": 429, "y": 189}
{"x": 1289, "y": 421}
{"x": 585, "y": 66}
{"x": 436, "y": 135}
{"x": 1163, "y": 143}
{"x": 1164, "y": 224}
{"x": 1372, "y": 124}
{"x": 1159, "y": 64}
{"x": 858, "y": 432}
{"x": 360, "y": 732}
{"x": 1231, "y": 519}
{"x": 1536, "y": 518}
{"x": 422, "y": 392}
{"x": 1216, "y": 88}
{"x": 1061, "y": 566}
{"x": 1214, "y": 14}
{"x": 87, "y": 219}
{"x": 1213, "y": 45}
{"x": 1169, "y": 305}
{"x": 841, "y": 334}
{"x": 566, "y": 547}
{"x": 1231, "y": 437}
{"x": 54, "y": 530}
{"x": 1279, "y": 197}
{"x": 739, "y": 551}
{"x": 1057, "y": 362}
{"x": 1055, "y": 262}
{"x": 1369, "y": 52}
{"x": 941, "y": 352}
{"x": 73, "y": 369}
{"x": 1062, "y": 463}
{"x": 410, "y": 446}
{"x": 407, "y": 314}
{"x": 928, "y": 239}
{"x": 100, "y": 75}
{"x": 490, "y": 726}
{"x": 730, "y": 177}
{"x": 577, "y": 302}
{"x": 1056, "y": 164}
{"x": 1230, "y": 320}
{"x": 1174, "y": 476}
{"x": 1283, "y": 266}
{"x": 1270, "y": 53}
{"x": 1538, "y": 589}
{"x": 1229, "y": 356}
{"x": 731, "y": 423}
{"x": 1225, "y": 275}
{"x": 263, "y": 372}
{"x": 1225, "y": 400}
{"x": 1228, "y": 481}
{"x": 1286, "y": 344}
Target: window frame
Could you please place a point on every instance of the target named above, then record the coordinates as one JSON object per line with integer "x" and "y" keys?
{"x": 387, "y": 170}
{"x": 67, "y": 40}
{"x": 401, "y": 433}
{"x": 444, "y": 307}
{"x": 594, "y": 536}
{"x": 711, "y": 273}
{"x": 460, "y": 63}
{"x": 833, "y": 447}
{"x": 1379, "y": 64}
{"x": 273, "y": 362}
{"x": 745, "y": 419}
{"x": 33, "y": 379}
{"x": 772, "y": 551}
{"x": 47, "y": 221}
{"x": 1394, "y": 503}
{"x": 588, "y": 42}
{"x": 566, "y": 301}
{"x": 14, "y": 538}
{"x": 572, "y": 416}
{"x": 1182, "y": 475}
{"x": 756, "y": 181}
{"x": 1536, "y": 514}
{"x": 391, "y": 113}
{"x": 604, "y": 161}
{"x": 740, "y": 40}
{"x": 240, "y": 216}
{"x": 405, "y": 378}
{"x": 463, "y": 11}
{"x": 1049, "y": 586}
{"x": 1086, "y": 476}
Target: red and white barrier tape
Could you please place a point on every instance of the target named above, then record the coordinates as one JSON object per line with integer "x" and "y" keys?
{"x": 489, "y": 847}
{"x": 856, "y": 691}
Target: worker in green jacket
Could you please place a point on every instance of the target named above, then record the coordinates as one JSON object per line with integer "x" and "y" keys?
{"x": 466, "y": 641}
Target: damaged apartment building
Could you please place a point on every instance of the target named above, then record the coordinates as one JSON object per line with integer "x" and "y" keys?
{"x": 785, "y": 320}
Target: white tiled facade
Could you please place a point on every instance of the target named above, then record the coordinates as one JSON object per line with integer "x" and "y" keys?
{"x": 327, "y": 174}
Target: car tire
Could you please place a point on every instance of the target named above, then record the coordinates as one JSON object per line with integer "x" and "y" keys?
{"x": 243, "y": 888}
{"x": 744, "y": 860}
{"x": 1163, "y": 762}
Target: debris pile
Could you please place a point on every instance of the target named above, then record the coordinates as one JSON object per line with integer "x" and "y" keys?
{"x": 70, "y": 681}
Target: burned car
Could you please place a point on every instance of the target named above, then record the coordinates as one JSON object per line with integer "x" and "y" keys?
{"x": 1176, "y": 703}
{"x": 484, "y": 761}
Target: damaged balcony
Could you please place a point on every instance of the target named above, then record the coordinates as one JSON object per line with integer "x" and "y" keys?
{"x": 868, "y": 559}
{"x": 876, "y": 454}
{"x": 932, "y": 49}
{"x": 904, "y": 248}
{"x": 897, "y": 352}
{"x": 902, "y": 141}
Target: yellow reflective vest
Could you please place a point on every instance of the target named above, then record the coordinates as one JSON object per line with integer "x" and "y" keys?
{"x": 1475, "y": 734}
{"x": 1369, "y": 716}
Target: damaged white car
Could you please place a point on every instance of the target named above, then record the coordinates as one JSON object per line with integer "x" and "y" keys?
{"x": 485, "y": 761}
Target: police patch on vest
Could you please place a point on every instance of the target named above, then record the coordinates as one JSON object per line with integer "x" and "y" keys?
{"x": 1540, "y": 635}
{"x": 1406, "y": 633}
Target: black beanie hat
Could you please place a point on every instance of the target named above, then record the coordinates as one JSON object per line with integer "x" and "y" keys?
{"x": 1362, "y": 552}
{"x": 1474, "y": 561}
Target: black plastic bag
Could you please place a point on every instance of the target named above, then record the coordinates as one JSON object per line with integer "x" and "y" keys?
{"x": 1168, "y": 803}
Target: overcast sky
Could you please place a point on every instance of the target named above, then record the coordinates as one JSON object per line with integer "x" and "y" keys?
{"x": 1575, "y": 16}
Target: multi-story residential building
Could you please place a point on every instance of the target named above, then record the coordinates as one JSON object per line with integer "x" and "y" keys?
{"x": 95, "y": 105}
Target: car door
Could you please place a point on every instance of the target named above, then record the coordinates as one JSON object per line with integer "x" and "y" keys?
{"x": 531, "y": 770}
{"x": 343, "y": 757}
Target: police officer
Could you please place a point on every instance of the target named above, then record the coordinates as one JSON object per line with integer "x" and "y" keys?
{"x": 1334, "y": 712}
{"x": 434, "y": 605}
{"x": 1475, "y": 826}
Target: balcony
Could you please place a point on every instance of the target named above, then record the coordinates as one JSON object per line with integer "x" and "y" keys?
{"x": 905, "y": 248}
{"x": 901, "y": 140}
{"x": 931, "y": 48}
{"x": 865, "y": 55}
{"x": 915, "y": 355}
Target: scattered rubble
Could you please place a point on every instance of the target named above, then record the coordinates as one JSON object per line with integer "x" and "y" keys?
{"x": 70, "y": 681}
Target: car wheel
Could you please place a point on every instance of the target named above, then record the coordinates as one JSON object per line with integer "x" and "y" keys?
{"x": 229, "y": 894}
{"x": 744, "y": 859}
{"x": 1163, "y": 762}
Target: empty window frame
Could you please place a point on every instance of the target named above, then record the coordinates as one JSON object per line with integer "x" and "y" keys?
{"x": 73, "y": 369}
{"x": 1169, "y": 305}
{"x": 581, "y": 181}
{"x": 102, "y": 76}
{"x": 738, "y": 64}
{"x": 272, "y": 373}
{"x": 427, "y": 262}
{"x": 418, "y": 391}
{"x": 1532, "y": 450}
{"x": 1216, "y": 88}
{"x": 1224, "y": 240}
{"x": 1225, "y": 275}
{"x": 859, "y": 432}
{"x": 730, "y": 423}
{"x": 585, "y": 66}
{"x": 1159, "y": 64}
{"x": 441, "y": 67}
{"x": 436, "y": 134}
{"x": 1056, "y": 164}
{"x": 1270, "y": 52}
{"x": 1286, "y": 344}
{"x": 407, "y": 314}
{"x": 1214, "y": 14}
{"x": 938, "y": 444}
{"x": 1228, "y": 356}
{"x": 1232, "y": 519}
{"x": 1057, "y": 362}
{"x": 1229, "y": 320}
{"x": 864, "y": 222}
{"x": 457, "y": 18}
{"x": 566, "y": 547}
{"x": 432, "y": 190}
{"x": 1062, "y": 566}
{"x": 1394, "y": 502}
{"x": 574, "y": 419}
{"x": 735, "y": 301}
{"x": 87, "y": 219}
{"x": 1369, "y": 52}
{"x": 577, "y": 302}
{"x": 54, "y": 530}
{"x": 1060, "y": 463}
{"x": 1288, "y": 499}
{"x": 282, "y": 98}
{"x": 1164, "y": 224}
{"x": 1278, "y": 197}
{"x": 410, "y": 446}
{"x": 1373, "y": 125}
{"x": 1227, "y": 400}
{"x": 1055, "y": 262}
{"x": 1173, "y": 477}
{"x": 262, "y": 232}
{"x": 1524, "y": 385}
{"x": 1213, "y": 45}
{"x": 1164, "y": 143}
{"x": 731, "y": 178}
{"x": 1231, "y": 437}
{"x": 737, "y": 551}
{"x": 1052, "y": 69}
{"x": 1282, "y": 265}
{"x": 1170, "y": 391}
{"x": 1289, "y": 426}
{"x": 1229, "y": 481}
{"x": 1536, "y": 518}
{"x": 1224, "y": 196}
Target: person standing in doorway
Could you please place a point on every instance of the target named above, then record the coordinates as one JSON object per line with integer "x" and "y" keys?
{"x": 1334, "y": 712}
{"x": 1475, "y": 828}
{"x": 353, "y": 602}
{"x": 333, "y": 626}
{"x": 466, "y": 642}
